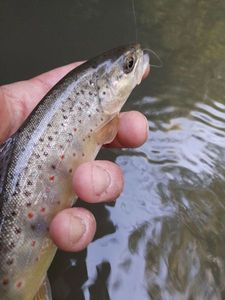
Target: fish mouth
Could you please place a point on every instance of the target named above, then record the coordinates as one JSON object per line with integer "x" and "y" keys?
{"x": 144, "y": 67}
{"x": 146, "y": 64}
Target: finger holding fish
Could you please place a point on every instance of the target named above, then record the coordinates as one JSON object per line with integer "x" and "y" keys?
{"x": 58, "y": 137}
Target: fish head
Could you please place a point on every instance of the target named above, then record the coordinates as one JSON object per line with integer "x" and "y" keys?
{"x": 122, "y": 69}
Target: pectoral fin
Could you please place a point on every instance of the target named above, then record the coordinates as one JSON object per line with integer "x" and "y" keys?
{"x": 44, "y": 293}
{"x": 107, "y": 133}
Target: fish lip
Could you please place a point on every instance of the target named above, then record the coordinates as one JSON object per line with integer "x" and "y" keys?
{"x": 146, "y": 64}
{"x": 144, "y": 68}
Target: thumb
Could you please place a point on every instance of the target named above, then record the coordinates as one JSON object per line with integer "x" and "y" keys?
{"x": 18, "y": 99}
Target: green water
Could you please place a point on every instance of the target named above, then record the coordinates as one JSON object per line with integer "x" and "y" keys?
{"x": 165, "y": 237}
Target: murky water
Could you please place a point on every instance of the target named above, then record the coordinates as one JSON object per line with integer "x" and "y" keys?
{"x": 165, "y": 236}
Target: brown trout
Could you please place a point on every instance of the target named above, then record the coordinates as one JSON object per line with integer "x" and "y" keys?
{"x": 66, "y": 128}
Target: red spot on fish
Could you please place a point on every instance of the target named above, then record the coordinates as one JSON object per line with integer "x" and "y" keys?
{"x": 30, "y": 215}
{"x": 33, "y": 243}
{"x": 5, "y": 281}
{"x": 42, "y": 209}
{"x": 52, "y": 178}
{"x": 62, "y": 157}
{"x": 19, "y": 284}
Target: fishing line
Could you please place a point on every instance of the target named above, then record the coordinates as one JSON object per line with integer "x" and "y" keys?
{"x": 136, "y": 38}
{"x": 135, "y": 20}
{"x": 157, "y": 56}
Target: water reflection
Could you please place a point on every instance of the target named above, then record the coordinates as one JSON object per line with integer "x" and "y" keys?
{"x": 165, "y": 237}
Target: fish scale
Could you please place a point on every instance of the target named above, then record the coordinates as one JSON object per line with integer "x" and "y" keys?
{"x": 66, "y": 129}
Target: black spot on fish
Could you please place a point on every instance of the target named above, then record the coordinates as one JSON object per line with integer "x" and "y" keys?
{"x": 50, "y": 138}
{"x": 49, "y": 125}
{"x": 53, "y": 167}
{"x": 9, "y": 261}
{"x": 27, "y": 193}
{"x": 65, "y": 117}
{"x": 11, "y": 245}
{"x": 82, "y": 92}
{"x": 29, "y": 182}
{"x": 32, "y": 226}
{"x": 5, "y": 281}
{"x": 41, "y": 140}
{"x": 37, "y": 155}
{"x": 18, "y": 230}
{"x": 90, "y": 93}
{"x": 79, "y": 121}
{"x": 14, "y": 213}
{"x": 77, "y": 93}
{"x": 45, "y": 153}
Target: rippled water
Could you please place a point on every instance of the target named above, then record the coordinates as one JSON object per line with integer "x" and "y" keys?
{"x": 165, "y": 236}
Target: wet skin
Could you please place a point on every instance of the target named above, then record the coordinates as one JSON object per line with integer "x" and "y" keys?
{"x": 98, "y": 181}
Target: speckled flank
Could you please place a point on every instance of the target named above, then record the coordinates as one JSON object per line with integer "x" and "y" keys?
{"x": 61, "y": 133}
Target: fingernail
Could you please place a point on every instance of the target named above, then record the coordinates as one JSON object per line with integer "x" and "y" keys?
{"x": 77, "y": 229}
{"x": 101, "y": 180}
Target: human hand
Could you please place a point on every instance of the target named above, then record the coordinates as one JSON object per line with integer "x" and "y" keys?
{"x": 99, "y": 181}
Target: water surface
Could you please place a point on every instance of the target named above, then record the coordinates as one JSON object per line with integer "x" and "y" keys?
{"x": 165, "y": 236}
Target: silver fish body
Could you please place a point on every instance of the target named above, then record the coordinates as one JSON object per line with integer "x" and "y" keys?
{"x": 66, "y": 129}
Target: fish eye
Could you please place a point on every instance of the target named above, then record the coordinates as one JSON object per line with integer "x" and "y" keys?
{"x": 129, "y": 64}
